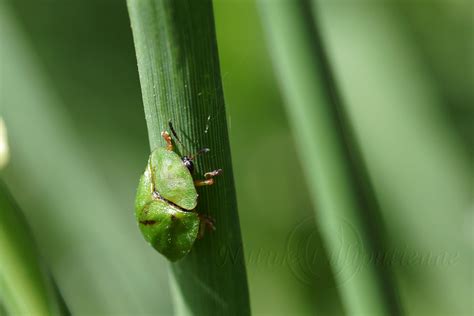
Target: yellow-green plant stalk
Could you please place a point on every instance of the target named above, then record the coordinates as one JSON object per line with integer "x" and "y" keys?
{"x": 4, "y": 150}
{"x": 25, "y": 286}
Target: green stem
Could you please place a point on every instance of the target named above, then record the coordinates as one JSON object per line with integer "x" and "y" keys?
{"x": 180, "y": 78}
{"x": 25, "y": 287}
{"x": 346, "y": 209}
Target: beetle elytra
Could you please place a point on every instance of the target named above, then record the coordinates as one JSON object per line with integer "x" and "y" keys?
{"x": 166, "y": 200}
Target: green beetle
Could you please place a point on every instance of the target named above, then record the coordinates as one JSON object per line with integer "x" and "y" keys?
{"x": 166, "y": 201}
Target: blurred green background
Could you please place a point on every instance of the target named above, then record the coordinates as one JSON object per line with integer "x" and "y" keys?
{"x": 70, "y": 98}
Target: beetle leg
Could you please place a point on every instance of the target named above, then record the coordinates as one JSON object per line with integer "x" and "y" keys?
{"x": 209, "y": 178}
{"x": 167, "y": 138}
{"x": 206, "y": 222}
{"x": 210, "y": 175}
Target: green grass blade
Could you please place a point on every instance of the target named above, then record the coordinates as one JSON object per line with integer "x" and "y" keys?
{"x": 25, "y": 287}
{"x": 180, "y": 79}
{"x": 334, "y": 177}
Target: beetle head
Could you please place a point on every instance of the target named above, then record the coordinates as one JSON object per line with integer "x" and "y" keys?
{"x": 188, "y": 162}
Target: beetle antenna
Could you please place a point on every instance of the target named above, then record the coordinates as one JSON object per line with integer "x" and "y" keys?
{"x": 173, "y": 131}
{"x": 200, "y": 152}
{"x": 176, "y": 135}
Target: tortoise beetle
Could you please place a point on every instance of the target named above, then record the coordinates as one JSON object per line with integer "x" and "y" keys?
{"x": 166, "y": 200}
